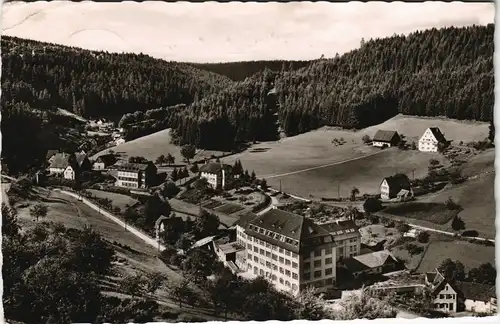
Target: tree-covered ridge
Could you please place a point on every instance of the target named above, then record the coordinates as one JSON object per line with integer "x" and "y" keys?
{"x": 446, "y": 72}
{"x": 239, "y": 71}
{"x": 96, "y": 84}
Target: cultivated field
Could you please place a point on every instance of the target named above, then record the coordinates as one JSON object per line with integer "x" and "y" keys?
{"x": 309, "y": 163}
{"x": 154, "y": 145}
{"x": 118, "y": 200}
{"x": 471, "y": 255}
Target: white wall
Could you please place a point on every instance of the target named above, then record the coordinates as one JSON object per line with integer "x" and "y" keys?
{"x": 446, "y": 296}
{"x": 477, "y": 306}
{"x": 428, "y": 143}
{"x": 380, "y": 144}
{"x": 384, "y": 190}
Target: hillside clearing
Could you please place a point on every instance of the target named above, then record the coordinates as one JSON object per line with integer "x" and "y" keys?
{"x": 118, "y": 200}
{"x": 153, "y": 145}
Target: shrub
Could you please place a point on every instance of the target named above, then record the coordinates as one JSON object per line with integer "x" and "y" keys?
{"x": 366, "y": 139}
{"x": 423, "y": 237}
{"x": 372, "y": 205}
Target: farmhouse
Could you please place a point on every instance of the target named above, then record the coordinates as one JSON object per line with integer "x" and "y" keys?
{"x": 290, "y": 251}
{"x": 218, "y": 175}
{"x": 346, "y": 236}
{"x": 445, "y": 293}
{"x": 431, "y": 139}
{"x": 135, "y": 175}
{"x": 395, "y": 186}
{"x": 371, "y": 263}
{"x": 384, "y": 138}
{"x": 477, "y": 297}
{"x": 104, "y": 161}
{"x": 63, "y": 164}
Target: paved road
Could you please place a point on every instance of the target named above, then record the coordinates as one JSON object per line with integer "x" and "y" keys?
{"x": 274, "y": 202}
{"x": 270, "y": 176}
{"x": 138, "y": 233}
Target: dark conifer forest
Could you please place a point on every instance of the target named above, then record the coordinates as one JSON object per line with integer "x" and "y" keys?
{"x": 438, "y": 72}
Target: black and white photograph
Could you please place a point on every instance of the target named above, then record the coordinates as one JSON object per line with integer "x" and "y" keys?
{"x": 202, "y": 161}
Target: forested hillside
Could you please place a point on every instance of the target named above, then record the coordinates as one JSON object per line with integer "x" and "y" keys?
{"x": 238, "y": 71}
{"x": 445, "y": 72}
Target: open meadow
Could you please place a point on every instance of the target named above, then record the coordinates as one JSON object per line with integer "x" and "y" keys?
{"x": 311, "y": 164}
{"x": 153, "y": 145}
{"x": 118, "y": 200}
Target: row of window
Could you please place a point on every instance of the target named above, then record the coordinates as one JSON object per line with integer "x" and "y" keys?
{"x": 272, "y": 247}
{"x": 128, "y": 174}
{"x": 273, "y": 256}
{"x": 317, "y": 263}
{"x": 127, "y": 179}
{"x": 317, "y": 274}
{"x": 446, "y": 296}
{"x": 273, "y": 235}
{"x": 274, "y": 267}
{"x": 273, "y": 277}
{"x": 319, "y": 252}
{"x": 129, "y": 184}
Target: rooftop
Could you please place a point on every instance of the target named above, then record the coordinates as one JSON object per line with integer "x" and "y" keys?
{"x": 229, "y": 248}
{"x": 476, "y": 291}
{"x": 341, "y": 227}
{"x": 369, "y": 260}
{"x": 384, "y": 135}
{"x": 437, "y": 134}
{"x": 126, "y": 166}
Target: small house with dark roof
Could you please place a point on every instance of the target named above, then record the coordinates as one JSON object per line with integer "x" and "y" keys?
{"x": 346, "y": 236}
{"x": 65, "y": 165}
{"x": 385, "y": 138}
{"x": 135, "y": 175}
{"x": 371, "y": 263}
{"x": 394, "y": 185}
{"x": 289, "y": 250}
{"x": 445, "y": 293}
{"x": 104, "y": 161}
{"x": 431, "y": 139}
{"x": 218, "y": 175}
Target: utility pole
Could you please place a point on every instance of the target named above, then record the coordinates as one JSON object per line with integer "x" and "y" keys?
{"x": 413, "y": 171}
{"x": 338, "y": 189}
{"x": 280, "y": 186}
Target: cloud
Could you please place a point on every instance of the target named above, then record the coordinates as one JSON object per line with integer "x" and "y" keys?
{"x": 210, "y": 31}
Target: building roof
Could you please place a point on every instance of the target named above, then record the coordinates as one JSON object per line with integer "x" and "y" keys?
{"x": 51, "y": 153}
{"x": 287, "y": 230}
{"x": 126, "y": 166}
{"x": 476, "y": 291}
{"x": 244, "y": 219}
{"x": 437, "y": 134}
{"x": 203, "y": 241}
{"x": 107, "y": 159}
{"x": 160, "y": 220}
{"x": 214, "y": 167}
{"x": 384, "y": 136}
{"x": 229, "y": 248}
{"x": 369, "y": 260}
{"x": 80, "y": 158}
{"x": 403, "y": 192}
{"x": 341, "y": 227}
{"x": 60, "y": 161}
{"x": 398, "y": 181}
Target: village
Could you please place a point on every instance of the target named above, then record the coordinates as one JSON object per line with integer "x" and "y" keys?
{"x": 294, "y": 242}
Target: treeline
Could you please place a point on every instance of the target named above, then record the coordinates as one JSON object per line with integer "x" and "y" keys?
{"x": 239, "y": 71}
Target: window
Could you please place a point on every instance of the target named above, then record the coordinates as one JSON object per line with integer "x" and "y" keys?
{"x": 295, "y": 276}
{"x": 274, "y": 257}
{"x": 328, "y": 251}
{"x": 249, "y": 256}
{"x": 306, "y": 276}
{"x": 328, "y": 260}
{"x": 287, "y": 262}
{"x": 328, "y": 271}
{"x": 255, "y": 259}
{"x": 295, "y": 265}
{"x": 282, "y": 260}
{"x": 256, "y": 249}
{"x": 268, "y": 264}
{"x": 317, "y": 263}
{"x": 441, "y": 296}
{"x": 281, "y": 250}
{"x": 282, "y": 270}
{"x": 287, "y": 273}
{"x": 287, "y": 253}
{"x": 261, "y": 251}
{"x": 268, "y": 254}
{"x": 307, "y": 265}
{"x": 249, "y": 246}
{"x": 261, "y": 272}
{"x": 317, "y": 253}
{"x": 317, "y": 274}
{"x": 281, "y": 281}
{"x": 329, "y": 281}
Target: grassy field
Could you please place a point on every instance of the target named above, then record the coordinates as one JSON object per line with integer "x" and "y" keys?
{"x": 374, "y": 234}
{"x": 436, "y": 213}
{"x": 119, "y": 200}
{"x": 471, "y": 255}
{"x": 152, "y": 146}
{"x": 228, "y": 209}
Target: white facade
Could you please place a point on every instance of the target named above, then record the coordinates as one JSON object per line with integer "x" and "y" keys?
{"x": 384, "y": 190}
{"x": 128, "y": 179}
{"x": 380, "y": 144}
{"x": 480, "y": 306}
{"x": 119, "y": 141}
{"x": 285, "y": 269}
{"x": 56, "y": 170}
{"x": 446, "y": 300}
{"x": 211, "y": 178}
{"x": 69, "y": 173}
{"x": 99, "y": 166}
{"x": 428, "y": 142}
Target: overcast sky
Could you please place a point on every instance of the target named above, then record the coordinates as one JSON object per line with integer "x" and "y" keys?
{"x": 216, "y": 32}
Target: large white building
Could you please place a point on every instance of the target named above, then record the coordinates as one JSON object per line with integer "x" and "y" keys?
{"x": 218, "y": 175}
{"x": 135, "y": 175}
{"x": 346, "y": 236}
{"x": 289, "y": 250}
{"x": 429, "y": 142}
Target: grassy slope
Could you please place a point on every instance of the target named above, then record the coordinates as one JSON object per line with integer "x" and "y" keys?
{"x": 152, "y": 146}
{"x": 119, "y": 200}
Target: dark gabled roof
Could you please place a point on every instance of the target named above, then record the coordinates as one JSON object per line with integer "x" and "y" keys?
{"x": 398, "y": 182}
{"x": 61, "y": 161}
{"x": 80, "y": 158}
{"x": 295, "y": 229}
{"x": 340, "y": 227}
{"x": 245, "y": 219}
{"x": 437, "y": 134}
{"x": 375, "y": 259}
{"x": 384, "y": 136}
{"x": 107, "y": 159}
{"x": 214, "y": 167}
{"x": 354, "y": 265}
{"x": 476, "y": 291}
{"x": 126, "y": 166}
{"x": 51, "y": 153}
